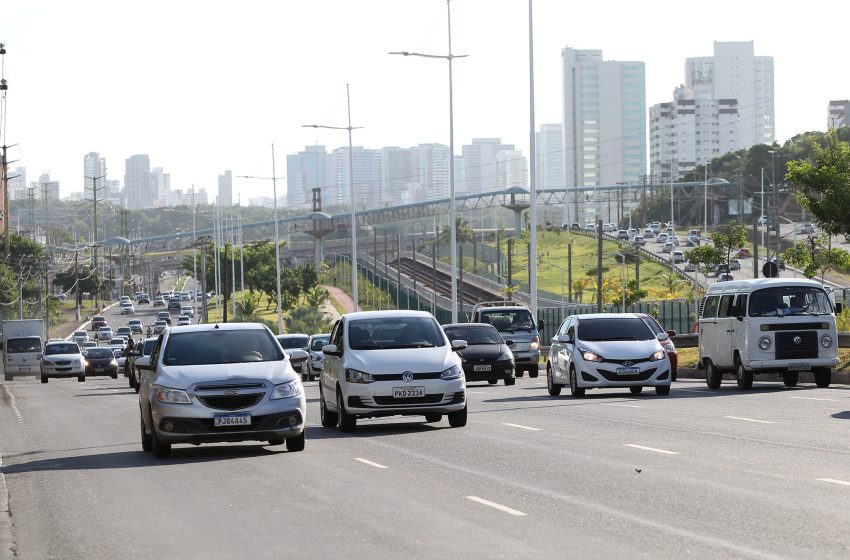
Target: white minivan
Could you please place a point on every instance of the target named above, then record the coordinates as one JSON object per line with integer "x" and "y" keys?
{"x": 767, "y": 325}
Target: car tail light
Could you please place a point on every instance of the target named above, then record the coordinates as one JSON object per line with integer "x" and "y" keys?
{"x": 535, "y": 343}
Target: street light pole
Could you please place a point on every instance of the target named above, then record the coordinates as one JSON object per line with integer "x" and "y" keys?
{"x": 452, "y": 205}
{"x": 349, "y": 128}
{"x": 532, "y": 154}
{"x": 94, "y": 227}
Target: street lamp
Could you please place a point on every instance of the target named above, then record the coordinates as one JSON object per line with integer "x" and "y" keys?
{"x": 349, "y": 128}
{"x": 94, "y": 189}
{"x": 452, "y": 207}
{"x": 274, "y": 179}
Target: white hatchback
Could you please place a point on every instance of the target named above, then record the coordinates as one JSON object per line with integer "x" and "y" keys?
{"x": 387, "y": 363}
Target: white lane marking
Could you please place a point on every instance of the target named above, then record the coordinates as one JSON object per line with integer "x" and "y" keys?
{"x": 691, "y": 390}
{"x": 750, "y": 420}
{"x": 835, "y": 481}
{"x": 620, "y": 404}
{"x": 655, "y": 449}
{"x": 521, "y": 426}
{"x": 494, "y": 505}
{"x": 14, "y": 405}
{"x": 370, "y": 463}
{"x": 814, "y": 399}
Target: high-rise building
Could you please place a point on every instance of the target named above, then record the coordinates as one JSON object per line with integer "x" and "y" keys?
{"x": 431, "y": 170}
{"x": 46, "y": 189}
{"x": 225, "y": 189}
{"x": 550, "y": 156}
{"x": 305, "y": 171}
{"x": 838, "y": 115}
{"x": 160, "y": 186}
{"x": 397, "y": 176}
{"x": 94, "y": 172}
{"x": 726, "y": 104}
{"x": 511, "y": 169}
{"x": 367, "y": 178}
{"x": 138, "y": 183}
{"x": 604, "y": 116}
{"x": 18, "y": 184}
{"x": 480, "y": 172}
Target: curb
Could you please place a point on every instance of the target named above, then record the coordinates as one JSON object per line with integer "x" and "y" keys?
{"x": 82, "y": 326}
{"x": 838, "y": 377}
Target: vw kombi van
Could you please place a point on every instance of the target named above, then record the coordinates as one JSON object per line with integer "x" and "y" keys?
{"x": 767, "y": 325}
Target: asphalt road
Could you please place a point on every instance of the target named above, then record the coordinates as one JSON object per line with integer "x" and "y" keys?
{"x": 699, "y": 473}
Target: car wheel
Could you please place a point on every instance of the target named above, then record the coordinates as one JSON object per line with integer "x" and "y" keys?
{"x": 161, "y": 450}
{"x": 296, "y": 443}
{"x": 520, "y": 372}
{"x": 115, "y": 375}
{"x": 636, "y": 390}
{"x": 303, "y": 377}
{"x": 492, "y": 381}
{"x": 673, "y": 376}
{"x": 310, "y": 377}
{"x": 744, "y": 377}
{"x": 345, "y": 422}
{"x": 575, "y": 390}
{"x": 43, "y": 379}
{"x": 458, "y": 419}
{"x": 510, "y": 380}
{"x": 147, "y": 443}
{"x": 131, "y": 382}
{"x": 81, "y": 378}
{"x": 662, "y": 390}
{"x": 712, "y": 375}
{"x": 790, "y": 378}
{"x": 434, "y": 417}
{"x": 7, "y": 377}
{"x": 553, "y": 388}
{"x": 823, "y": 377}
{"x": 327, "y": 417}
{"x": 534, "y": 371}
{"x": 277, "y": 441}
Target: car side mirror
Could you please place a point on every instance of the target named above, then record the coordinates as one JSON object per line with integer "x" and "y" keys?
{"x": 839, "y": 307}
{"x": 540, "y": 325}
{"x": 662, "y": 336}
{"x": 144, "y": 363}
{"x": 458, "y": 345}
{"x": 510, "y": 343}
{"x": 331, "y": 350}
{"x": 671, "y": 333}
{"x": 297, "y": 356}
{"x": 563, "y": 339}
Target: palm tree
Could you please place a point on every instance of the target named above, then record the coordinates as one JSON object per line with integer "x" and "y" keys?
{"x": 671, "y": 284}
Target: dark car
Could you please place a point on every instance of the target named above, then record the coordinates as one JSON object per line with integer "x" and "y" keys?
{"x": 142, "y": 348}
{"x": 101, "y": 360}
{"x": 98, "y": 321}
{"x": 174, "y": 303}
{"x": 668, "y": 345}
{"x": 487, "y": 356}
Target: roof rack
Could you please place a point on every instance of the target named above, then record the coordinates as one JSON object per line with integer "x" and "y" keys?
{"x": 500, "y": 303}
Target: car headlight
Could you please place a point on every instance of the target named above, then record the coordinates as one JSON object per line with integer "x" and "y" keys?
{"x": 356, "y": 376}
{"x": 171, "y": 396}
{"x": 453, "y": 372}
{"x": 764, "y": 343}
{"x": 591, "y": 356}
{"x": 113, "y": 363}
{"x": 826, "y": 341}
{"x": 668, "y": 346}
{"x": 284, "y": 390}
{"x": 505, "y": 357}
{"x": 659, "y": 355}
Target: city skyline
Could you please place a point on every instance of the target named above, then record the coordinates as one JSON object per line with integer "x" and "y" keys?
{"x": 203, "y": 98}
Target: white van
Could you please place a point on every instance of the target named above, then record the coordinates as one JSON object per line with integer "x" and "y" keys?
{"x": 767, "y": 325}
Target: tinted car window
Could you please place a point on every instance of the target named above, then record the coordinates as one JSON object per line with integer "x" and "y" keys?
{"x": 20, "y": 345}
{"x": 317, "y": 344}
{"x": 709, "y": 308}
{"x": 789, "y": 300}
{"x": 61, "y": 349}
{"x": 99, "y": 353}
{"x": 506, "y": 320}
{"x": 725, "y": 309}
{"x": 475, "y": 335}
{"x": 620, "y": 328}
{"x": 397, "y": 332}
{"x": 221, "y": 347}
{"x": 293, "y": 341}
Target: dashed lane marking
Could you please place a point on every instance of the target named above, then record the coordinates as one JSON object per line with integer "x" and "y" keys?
{"x": 814, "y": 399}
{"x": 621, "y": 404}
{"x": 521, "y": 427}
{"x": 750, "y": 420}
{"x": 370, "y": 463}
{"x": 653, "y": 449}
{"x": 494, "y": 505}
{"x": 835, "y": 481}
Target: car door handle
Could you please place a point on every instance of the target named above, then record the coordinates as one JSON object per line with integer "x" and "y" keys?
{"x": 731, "y": 330}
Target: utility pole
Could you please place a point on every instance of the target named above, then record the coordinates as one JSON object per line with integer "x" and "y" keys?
{"x": 94, "y": 239}
{"x": 4, "y": 177}
{"x": 77, "y": 293}
{"x": 599, "y": 263}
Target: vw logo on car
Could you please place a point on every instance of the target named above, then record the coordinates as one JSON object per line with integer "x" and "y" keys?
{"x": 407, "y": 376}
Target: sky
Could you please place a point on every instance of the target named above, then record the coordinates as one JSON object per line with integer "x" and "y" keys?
{"x": 206, "y": 86}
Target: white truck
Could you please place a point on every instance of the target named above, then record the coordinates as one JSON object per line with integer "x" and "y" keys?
{"x": 23, "y": 341}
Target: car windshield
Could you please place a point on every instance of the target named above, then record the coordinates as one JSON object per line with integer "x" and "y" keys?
{"x": 99, "y": 353}
{"x": 51, "y": 349}
{"x": 289, "y": 342}
{"x": 508, "y": 319}
{"x": 220, "y": 347}
{"x": 20, "y": 345}
{"x": 149, "y": 344}
{"x": 317, "y": 343}
{"x": 394, "y": 332}
{"x": 614, "y": 328}
{"x": 80, "y": 333}
{"x": 485, "y": 334}
{"x": 782, "y": 301}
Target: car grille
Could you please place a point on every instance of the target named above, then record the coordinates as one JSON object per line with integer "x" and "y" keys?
{"x": 633, "y": 361}
{"x": 787, "y": 349}
{"x": 231, "y": 402}
{"x": 397, "y": 376}
{"x": 427, "y": 399}
{"x": 612, "y": 375}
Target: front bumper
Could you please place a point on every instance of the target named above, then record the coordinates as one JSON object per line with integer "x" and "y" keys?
{"x": 106, "y": 370}
{"x": 376, "y": 399}
{"x": 62, "y": 371}
{"x": 498, "y": 371}
{"x": 782, "y": 365}
{"x": 529, "y": 357}
{"x": 604, "y": 374}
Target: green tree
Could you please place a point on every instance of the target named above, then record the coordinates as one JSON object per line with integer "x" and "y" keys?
{"x": 816, "y": 255}
{"x": 464, "y": 232}
{"x": 823, "y": 184}
{"x": 730, "y": 236}
{"x": 704, "y": 256}
{"x": 308, "y": 320}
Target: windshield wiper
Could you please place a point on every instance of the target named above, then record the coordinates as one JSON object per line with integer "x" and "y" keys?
{"x": 417, "y": 345}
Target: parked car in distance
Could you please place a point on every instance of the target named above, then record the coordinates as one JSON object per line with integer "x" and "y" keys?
{"x": 135, "y": 326}
{"x": 62, "y": 359}
{"x": 227, "y": 382}
{"x": 487, "y": 356}
{"x": 101, "y": 361}
{"x": 385, "y": 363}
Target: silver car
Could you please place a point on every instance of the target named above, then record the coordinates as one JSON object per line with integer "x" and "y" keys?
{"x": 219, "y": 383}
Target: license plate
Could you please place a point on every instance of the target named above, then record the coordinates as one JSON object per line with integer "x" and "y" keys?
{"x": 482, "y": 368}
{"x": 799, "y": 367}
{"x": 628, "y": 371}
{"x": 222, "y": 420}
{"x": 98, "y": 369}
{"x": 408, "y": 392}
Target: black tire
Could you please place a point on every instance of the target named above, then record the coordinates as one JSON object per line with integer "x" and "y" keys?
{"x": 310, "y": 377}
{"x": 575, "y": 390}
{"x": 492, "y": 381}
{"x": 510, "y": 380}
{"x": 433, "y": 417}
{"x": 534, "y": 371}
{"x": 296, "y": 443}
{"x": 303, "y": 377}
{"x": 147, "y": 442}
{"x": 662, "y": 390}
{"x": 345, "y": 422}
{"x": 161, "y": 450}
{"x": 327, "y": 417}
{"x": 673, "y": 376}
{"x": 277, "y": 441}
{"x": 742, "y": 376}
{"x": 81, "y": 378}
{"x": 713, "y": 377}
{"x": 44, "y": 379}
{"x": 115, "y": 375}
{"x": 823, "y": 377}
{"x": 790, "y": 378}
{"x": 457, "y": 419}
{"x": 7, "y": 377}
{"x": 131, "y": 382}
{"x": 520, "y": 372}
{"x": 553, "y": 388}
{"x": 636, "y": 390}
